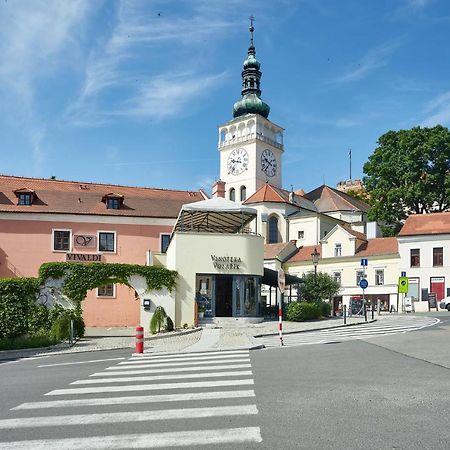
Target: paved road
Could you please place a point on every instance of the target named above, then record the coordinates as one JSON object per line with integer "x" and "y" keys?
{"x": 389, "y": 392}
{"x": 388, "y": 325}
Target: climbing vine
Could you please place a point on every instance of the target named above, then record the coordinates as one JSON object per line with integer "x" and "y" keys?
{"x": 80, "y": 278}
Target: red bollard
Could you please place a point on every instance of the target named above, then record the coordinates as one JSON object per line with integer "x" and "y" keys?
{"x": 139, "y": 339}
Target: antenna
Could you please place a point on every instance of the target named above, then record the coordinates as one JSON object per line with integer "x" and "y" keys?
{"x": 350, "y": 158}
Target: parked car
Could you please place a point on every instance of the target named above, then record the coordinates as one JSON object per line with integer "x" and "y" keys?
{"x": 445, "y": 303}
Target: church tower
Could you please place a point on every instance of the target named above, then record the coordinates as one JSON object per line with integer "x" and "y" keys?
{"x": 250, "y": 145}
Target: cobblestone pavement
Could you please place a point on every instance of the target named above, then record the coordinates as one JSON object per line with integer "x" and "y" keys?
{"x": 231, "y": 336}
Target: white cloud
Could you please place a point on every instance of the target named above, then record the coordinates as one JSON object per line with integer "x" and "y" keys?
{"x": 162, "y": 46}
{"x": 372, "y": 60}
{"x": 437, "y": 111}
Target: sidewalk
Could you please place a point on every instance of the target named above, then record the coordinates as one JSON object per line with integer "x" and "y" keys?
{"x": 225, "y": 337}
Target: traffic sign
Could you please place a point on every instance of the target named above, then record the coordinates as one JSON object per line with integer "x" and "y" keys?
{"x": 403, "y": 285}
{"x": 403, "y": 274}
{"x": 363, "y": 283}
{"x": 281, "y": 280}
{"x": 364, "y": 262}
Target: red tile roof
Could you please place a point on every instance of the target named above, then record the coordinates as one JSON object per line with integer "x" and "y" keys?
{"x": 357, "y": 234}
{"x": 73, "y": 197}
{"x": 420, "y": 224}
{"x": 269, "y": 193}
{"x": 272, "y": 251}
{"x": 328, "y": 199}
{"x": 304, "y": 253}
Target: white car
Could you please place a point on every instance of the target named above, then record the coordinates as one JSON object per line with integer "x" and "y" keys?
{"x": 445, "y": 303}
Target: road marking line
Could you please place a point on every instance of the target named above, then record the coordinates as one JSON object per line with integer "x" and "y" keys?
{"x": 137, "y": 399}
{"x": 130, "y": 416}
{"x": 138, "y": 361}
{"x": 151, "y": 387}
{"x": 180, "y": 364}
{"x": 81, "y": 362}
{"x": 179, "y": 376}
{"x": 176, "y": 369}
{"x": 184, "y": 355}
{"x": 189, "y": 438}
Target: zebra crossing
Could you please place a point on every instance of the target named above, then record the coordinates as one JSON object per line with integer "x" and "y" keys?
{"x": 179, "y": 400}
{"x": 388, "y": 325}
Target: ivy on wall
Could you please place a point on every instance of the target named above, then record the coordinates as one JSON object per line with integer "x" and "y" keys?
{"x": 80, "y": 278}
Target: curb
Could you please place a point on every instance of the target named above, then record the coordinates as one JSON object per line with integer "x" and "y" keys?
{"x": 315, "y": 329}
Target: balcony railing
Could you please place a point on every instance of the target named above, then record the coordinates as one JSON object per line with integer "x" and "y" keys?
{"x": 249, "y": 137}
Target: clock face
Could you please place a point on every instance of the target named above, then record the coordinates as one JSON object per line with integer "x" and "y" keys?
{"x": 268, "y": 163}
{"x": 237, "y": 161}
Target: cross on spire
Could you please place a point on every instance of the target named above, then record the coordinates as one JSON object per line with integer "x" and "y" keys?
{"x": 251, "y": 28}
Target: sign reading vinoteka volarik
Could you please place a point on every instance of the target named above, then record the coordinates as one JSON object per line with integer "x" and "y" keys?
{"x": 226, "y": 262}
{"x": 83, "y": 257}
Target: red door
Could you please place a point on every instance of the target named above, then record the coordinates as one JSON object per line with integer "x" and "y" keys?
{"x": 437, "y": 285}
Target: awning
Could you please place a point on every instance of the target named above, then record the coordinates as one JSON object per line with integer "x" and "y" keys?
{"x": 270, "y": 278}
{"x": 216, "y": 215}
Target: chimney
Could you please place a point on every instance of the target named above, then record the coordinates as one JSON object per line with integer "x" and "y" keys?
{"x": 218, "y": 189}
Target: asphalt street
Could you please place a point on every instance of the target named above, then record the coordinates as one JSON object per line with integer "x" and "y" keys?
{"x": 388, "y": 392}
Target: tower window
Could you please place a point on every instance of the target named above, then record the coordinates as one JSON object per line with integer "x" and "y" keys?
{"x": 232, "y": 194}
{"x": 243, "y": 193}
{"x": 273, "y": 230}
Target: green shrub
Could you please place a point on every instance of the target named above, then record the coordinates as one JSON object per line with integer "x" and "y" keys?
{"x": 325, "y": 309}
{"x": 60, "y": 330}
{"x": 300, "y": 311}
{"x": 158, "y": 320}
{"x": 17, "y": 297}
{"x": 38, "y": 319}
{"x": 169, "y": 324}
{"x": 39, "y": 340}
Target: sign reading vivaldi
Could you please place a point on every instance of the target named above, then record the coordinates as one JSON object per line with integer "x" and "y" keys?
{"x": 226, "y": 262}
{"x": 83, "y": 257}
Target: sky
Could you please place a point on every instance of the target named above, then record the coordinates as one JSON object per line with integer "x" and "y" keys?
{"x": 132, "y": 92}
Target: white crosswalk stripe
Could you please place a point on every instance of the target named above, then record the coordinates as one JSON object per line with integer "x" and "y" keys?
{"x": 388, "y": 325}
{"x": 200, "y": 386}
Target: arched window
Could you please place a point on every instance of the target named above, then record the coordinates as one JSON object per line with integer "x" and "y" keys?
{"x": 273, "y": 230}
{"x": 232, "y": 194}
{"x": 223, "y": 135}
{"x": 243, "y": 193}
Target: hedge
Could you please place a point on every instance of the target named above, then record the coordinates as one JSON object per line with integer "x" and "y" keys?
{"x": 300, "y": 311}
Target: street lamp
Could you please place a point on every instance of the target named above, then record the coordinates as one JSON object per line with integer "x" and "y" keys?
{"x": 315, "y": 260}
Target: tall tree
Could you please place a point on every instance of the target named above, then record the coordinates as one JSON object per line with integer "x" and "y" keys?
{"x": 320, "y": 287}
{"x": 408, "y": 173}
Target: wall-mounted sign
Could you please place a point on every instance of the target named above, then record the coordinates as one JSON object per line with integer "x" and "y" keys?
{"x": 226, "y": 262}
{"x": 83, "y": 240}
{"x": 83, "y": 257}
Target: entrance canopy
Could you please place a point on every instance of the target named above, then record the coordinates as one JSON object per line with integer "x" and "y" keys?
{"x": 216, "y": 215}
{"x": 270, "y": 278}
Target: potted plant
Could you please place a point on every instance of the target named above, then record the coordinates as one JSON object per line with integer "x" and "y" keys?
{"x": 201, "y": 312}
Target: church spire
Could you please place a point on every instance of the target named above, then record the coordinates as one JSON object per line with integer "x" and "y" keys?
{"x": 251, "y": 102}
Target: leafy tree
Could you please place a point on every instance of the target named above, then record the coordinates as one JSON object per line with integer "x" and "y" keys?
{"x": 322, "y": 287}
{"x": 408, "y": 173}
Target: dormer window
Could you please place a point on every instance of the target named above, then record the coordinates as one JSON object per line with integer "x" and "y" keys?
{"x": 25, "y": 197}
{"x": 113, "y": 201}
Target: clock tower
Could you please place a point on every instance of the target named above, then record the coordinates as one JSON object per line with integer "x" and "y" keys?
{"x": 250, "y": 145}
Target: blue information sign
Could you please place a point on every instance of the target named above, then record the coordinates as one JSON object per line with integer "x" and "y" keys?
{"x": 363, "y": 284}
{"x": 403, "y": 274}
{"x": 364, "y": 262}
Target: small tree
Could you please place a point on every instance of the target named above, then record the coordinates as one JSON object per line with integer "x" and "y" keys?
{"x": 158, "y": 320}
{"x": 322, "y": 287}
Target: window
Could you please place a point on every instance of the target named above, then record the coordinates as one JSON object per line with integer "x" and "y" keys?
{"x": 25, "y": 199}
{"x": 232, "y": 194}
{"x": 337, "y": 277}
{"x": 273, "y": 230}
{"x": 438, "y": 257}
{"x": 337, "y": 250}
{"x": 112, "y": 203}
{"x": 106, "y": 291}
{"x": 243, "y": 193}
{"x": 165, "y": 240}
{"x": 301, "y": 234}
{"x": 415, "y": 257}
{"x": 359, "y": 276}
{"x": 106, "y": 241}
{"x": 61, "y": 240}
{"x": 379, "y": 277}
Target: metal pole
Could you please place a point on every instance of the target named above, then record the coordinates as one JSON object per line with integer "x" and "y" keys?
{"x": 280, "y": 319}
{"x": 373, "y": 310}
{"x": 71, "y": 331}
{"x": 344, "y": 309}
{"x": 365, "y": 312}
